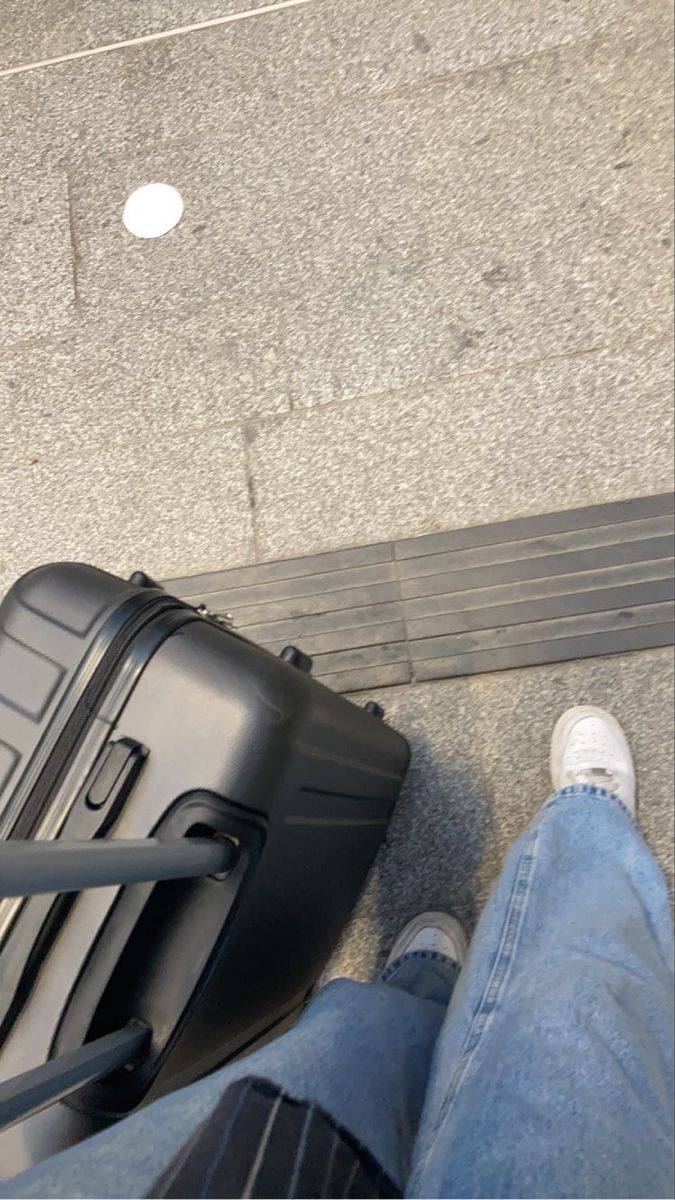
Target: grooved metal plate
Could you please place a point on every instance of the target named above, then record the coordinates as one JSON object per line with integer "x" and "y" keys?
{"x": 573, "y": 584}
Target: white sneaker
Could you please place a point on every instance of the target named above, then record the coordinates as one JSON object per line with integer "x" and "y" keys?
{"x": 589, "y": 746}
{"x": 431, "y": 931}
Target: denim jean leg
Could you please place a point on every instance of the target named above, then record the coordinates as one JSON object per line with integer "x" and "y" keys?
{"x": 424, "y": 973}
{"x": 553, "y": 1072}
{"x": 362, "y": 1051}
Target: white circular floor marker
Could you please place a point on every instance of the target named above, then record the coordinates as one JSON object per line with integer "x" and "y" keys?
{"x": 153, "y": 210}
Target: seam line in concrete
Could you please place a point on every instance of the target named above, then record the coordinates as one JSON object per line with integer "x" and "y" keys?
{"x": 251, "y": 491}
{"x": 72, "y": 240}
{"x": 404, "y": 614}
{"x": 145, "y": 38}
{"x": 412, "y": 391}
{"x": 440, "y": 82}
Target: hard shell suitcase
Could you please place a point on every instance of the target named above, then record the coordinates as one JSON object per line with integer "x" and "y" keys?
{"x": 128, "y": 714}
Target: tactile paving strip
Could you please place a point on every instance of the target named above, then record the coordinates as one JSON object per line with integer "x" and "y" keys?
{"x": 573, "y": 584}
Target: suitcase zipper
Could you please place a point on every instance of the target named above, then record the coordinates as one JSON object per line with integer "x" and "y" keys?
{"x": 85, "y": 693}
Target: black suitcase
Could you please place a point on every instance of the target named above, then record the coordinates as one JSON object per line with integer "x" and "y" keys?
{"x": 127, "y": 714}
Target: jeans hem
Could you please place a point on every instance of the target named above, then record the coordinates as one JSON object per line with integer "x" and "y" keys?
{"x": 428, "y": 955}
{"x": 588, "y": 790}
{"x": 426, "y": 974}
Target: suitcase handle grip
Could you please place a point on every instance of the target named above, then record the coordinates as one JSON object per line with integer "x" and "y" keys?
{"x": 30, "y": 868}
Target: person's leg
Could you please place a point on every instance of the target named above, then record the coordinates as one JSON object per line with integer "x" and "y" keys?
{"x": 553, "y": 1073}
{"x": 361, "y": 1051}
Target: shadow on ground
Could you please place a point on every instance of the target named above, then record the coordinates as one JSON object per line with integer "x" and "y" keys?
{"x": 437, "y": 837}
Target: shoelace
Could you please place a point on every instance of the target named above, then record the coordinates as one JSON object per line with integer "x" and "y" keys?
{"x": 597, "y": 776}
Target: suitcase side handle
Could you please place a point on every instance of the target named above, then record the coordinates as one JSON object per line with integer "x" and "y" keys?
{"x": 156, "y": 950}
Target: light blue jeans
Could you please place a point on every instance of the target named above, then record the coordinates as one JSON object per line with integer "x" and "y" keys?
{"x": 546, "y": 1071}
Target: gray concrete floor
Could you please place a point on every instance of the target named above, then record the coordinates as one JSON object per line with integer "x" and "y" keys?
{"x": 423, "y": 280}
{"x": 480, "y": 772}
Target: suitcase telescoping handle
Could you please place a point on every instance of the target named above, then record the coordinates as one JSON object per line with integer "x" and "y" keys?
{"x": 31, "y": 868}
{"x": 33, "y": 1090}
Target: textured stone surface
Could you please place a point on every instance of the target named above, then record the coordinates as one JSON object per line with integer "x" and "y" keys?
{"x": 193, "y": 112}
{"x": 406, "y": 236}
{"x": 37, "y": 30}
{"x": 155, "y": 506}
{"x": 513, "y": 714}
{"x": 37, "y": 291}
{"x": 197, "y": 86}
{"x": 437, "y": 836}
{"x": 60, "y": 110}
{"x": 331, "y": 250}
{"x": 117, "y": 379}
{"x": 392, "y": 43}
{"x": 226, "y": 249}
{"x": 480, "y": 772}
{"x": 369, "y": 46}
{"x": 187, "y": 111}
{"x": 402, "y": 42}
{"x": 480, "y": 448}
{"x": 509, "y": 215}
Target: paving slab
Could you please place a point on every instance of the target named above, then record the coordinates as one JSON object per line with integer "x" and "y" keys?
{"x": 195, "y": 85}
{"x": 192, "y": 112}
{"x": 37, "y": 30}
{"x": 392, "y": 43}
{"x": 185, "y": 111}
{"x": 368, "y": 242}
{"x": 511, "y": 214}
{"x": 479, "y": 448}
{"x": 48, "y": 113}
{"x": 480, "y": 772}
{"x": 399, "y": 43}
{"x": 229, "y": 247}
{"x": 179, "y": 502}
{"x": 37, "y": 293}
{"x": 403, "y": 238}
{"x": 116, "y": 378}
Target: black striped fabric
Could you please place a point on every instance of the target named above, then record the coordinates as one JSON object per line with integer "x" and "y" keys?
{"x": 260, "y": 1142}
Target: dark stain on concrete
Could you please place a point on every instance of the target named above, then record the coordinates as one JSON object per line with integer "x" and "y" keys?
{"x": 465, "y": 339}
{"x": 421, "y": 44}
{"x": 496, "y": 276}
